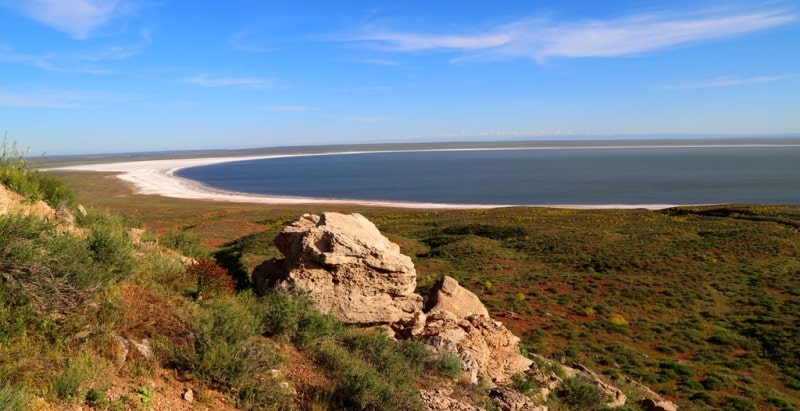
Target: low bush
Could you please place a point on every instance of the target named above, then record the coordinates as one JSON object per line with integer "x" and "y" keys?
{"x": 12, "y": 399}
{"x": 581, "y": 394}
{"x": 16, "y": 174}
{"x": 212, "y": 279}
{"x": 184, "y": 243}
{"x": 738, "y": 404}
{"x": 47, "y": 273}
{"x": 368, "y": 390}
{"x": 70, "y": 384}
{"x": 448, "y": 365}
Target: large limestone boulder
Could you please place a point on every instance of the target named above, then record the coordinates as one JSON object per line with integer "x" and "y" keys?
{"x": 487, "y": 349}
{"x": 348, "y": 268}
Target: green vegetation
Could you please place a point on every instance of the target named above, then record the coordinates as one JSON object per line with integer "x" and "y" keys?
{"x": 695, "y": 302}
{"x": 699, "y": 303}
{"x": 581, "y": 394}
{"x": 68, "y": 295}
{"x": 30, "y": 183}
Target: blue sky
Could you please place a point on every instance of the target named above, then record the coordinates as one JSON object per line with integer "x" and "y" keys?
{"x": 89, "y": 76}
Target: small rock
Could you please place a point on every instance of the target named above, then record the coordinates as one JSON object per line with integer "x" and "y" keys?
{"x": 188, "y": 395}
{"x": 144, "y": 348}
{"x": 121, "y": 349}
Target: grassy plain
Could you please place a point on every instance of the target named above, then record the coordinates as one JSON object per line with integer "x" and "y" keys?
{"x": 701, "y": 304}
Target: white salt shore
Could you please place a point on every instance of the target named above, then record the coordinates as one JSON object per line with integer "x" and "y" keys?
{"x": 157, "y": 177}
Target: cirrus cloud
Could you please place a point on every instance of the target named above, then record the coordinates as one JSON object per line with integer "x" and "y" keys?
{"x": 246, "y": 82}
{"x": 542, "y": 39}
{"x": 728, "y": 81}
{"x": 78, "y": 18}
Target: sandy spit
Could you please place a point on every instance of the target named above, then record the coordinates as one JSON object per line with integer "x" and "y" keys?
{"x": 157, "y": 177}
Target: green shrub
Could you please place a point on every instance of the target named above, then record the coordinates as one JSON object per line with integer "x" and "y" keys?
{"x": 52, "y": 274}
{"x": 701, "y": 397}
{"x": 581, "y": 394}
{"x": 183, "y": 242}
{"x": 367, "y": 390}
{"x": 448, "y": 364}
{"x": 782, "y": 404}
{"x": 18, "y": 176}
{"x": 96, "y": 398}
{"x": 68, "y": 384}
{"x": 738, "y": 404}
{"x": 293, "y": 316}
{"x": 12, "y": 399}
{"x": 220, "y": 329}
{"x": 525, "y": 383}
{"x": 228, "y": 348}
{"x": 711, "y": 382}
{"x": 110, "y": 245}
{"x": 255, "y": 385}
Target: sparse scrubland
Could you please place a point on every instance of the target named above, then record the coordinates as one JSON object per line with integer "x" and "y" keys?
{"x": 702, "y": 304}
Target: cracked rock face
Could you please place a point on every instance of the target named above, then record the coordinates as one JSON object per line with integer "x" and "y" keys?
{"x": 348, "y": 268}
{"x": 458, "y": 322}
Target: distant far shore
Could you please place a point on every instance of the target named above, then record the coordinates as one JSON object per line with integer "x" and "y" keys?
{"x": 158, "y": 176}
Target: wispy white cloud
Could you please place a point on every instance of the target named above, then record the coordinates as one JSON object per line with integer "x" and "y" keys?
{"x": 84, "y": 61}
{"x": 57, "y": 99}
{"x": 246, "y": 82}
{"x": 78, "y": 18}
{"x": 378, "y": 62}
{"x": 541, "y": 39}
{"x": 416, "y": 42}
{"x": 287, "y": 108}
{"x": 73, "y": 68}
{"x": 728, "y": 81}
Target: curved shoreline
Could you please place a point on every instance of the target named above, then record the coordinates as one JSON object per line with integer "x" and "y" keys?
{"x": 157, "y": 177}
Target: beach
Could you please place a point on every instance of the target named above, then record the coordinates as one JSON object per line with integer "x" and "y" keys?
{"x": 157, "y": 177}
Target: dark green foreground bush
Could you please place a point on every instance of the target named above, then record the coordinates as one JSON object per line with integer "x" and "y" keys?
{"x": 50, "y": 283}
{"x": 229, "y": 346}
{"x": 12, "y": 399}
{"x": 52, "y": 274}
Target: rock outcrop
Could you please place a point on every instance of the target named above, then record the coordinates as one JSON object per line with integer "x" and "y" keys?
{"x": 347, "y": 267}
{"x": 447, "y": 295}
{"x": 507, "y": 399}
{"x": 12, "y": 203}
{"x": 441, "y": 400}
{"x": 458, "y": 322}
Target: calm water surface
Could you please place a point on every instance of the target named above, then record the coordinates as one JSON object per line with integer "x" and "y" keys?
{"x": 583, "y": 176}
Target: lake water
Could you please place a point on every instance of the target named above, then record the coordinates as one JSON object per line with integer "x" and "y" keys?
{"x": 580, "y": 176}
